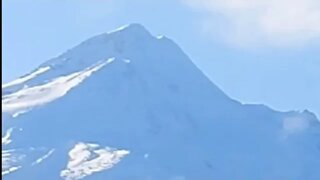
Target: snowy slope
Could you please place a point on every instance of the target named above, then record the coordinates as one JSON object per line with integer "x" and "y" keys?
{"x": 126, "y": 105}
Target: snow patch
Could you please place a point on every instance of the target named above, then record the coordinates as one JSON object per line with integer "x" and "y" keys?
{"x": 10, "y": 161}
{"x": 25, "y": 99}
{"x": 38, "y": 161}
{"x": 86, "y": 159}
{"x": 10, "y": 170}
{"x": 133, "y": 26}
{"x": 26, "y": 78}
{"x": 6, "y": 138}
{"x": 127, "y": 60}
{"x": 19, "y": 113}
{"x": 14, "y": 159}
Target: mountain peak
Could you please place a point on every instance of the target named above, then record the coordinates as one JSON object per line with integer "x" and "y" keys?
{"x": 132, "y": 28}
{"x": 114, "y": 43}
{"x": 129, "y": 32}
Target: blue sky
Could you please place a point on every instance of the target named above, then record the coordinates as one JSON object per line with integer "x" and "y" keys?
{"x": 256, "y": 51}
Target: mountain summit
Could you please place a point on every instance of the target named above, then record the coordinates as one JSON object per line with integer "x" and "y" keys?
{"x": 126, "y": 105}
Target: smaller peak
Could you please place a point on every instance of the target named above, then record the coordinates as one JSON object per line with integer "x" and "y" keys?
{"x": 161, "y": 37}
{"x": 310, "y": 114}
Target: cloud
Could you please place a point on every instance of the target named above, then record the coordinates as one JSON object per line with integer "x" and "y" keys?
{"x": 277, "y": 22}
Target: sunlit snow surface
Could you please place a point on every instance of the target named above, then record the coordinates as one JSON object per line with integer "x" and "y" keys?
{"x": 6, "y": 138}
{"x": 86, "y": 159}
{"x": 26, "y": 78}
{"x": 10, "y": 158}
{"x": 28, "y": 98}
{"x": 10, "y": 161}
{"x": 39, "y": 160}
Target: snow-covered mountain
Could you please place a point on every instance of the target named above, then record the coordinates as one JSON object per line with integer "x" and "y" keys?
{"x": 126, "y": 105}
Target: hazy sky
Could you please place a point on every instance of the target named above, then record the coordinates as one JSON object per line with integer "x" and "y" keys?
{"x": 257, "y": 51}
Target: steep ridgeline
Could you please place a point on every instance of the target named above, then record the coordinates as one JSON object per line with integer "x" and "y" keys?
{"x": 126, "y": 105}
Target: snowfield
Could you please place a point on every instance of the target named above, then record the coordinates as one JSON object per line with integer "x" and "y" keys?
{"x": 27, "y": 98}
{"x": 126, "y": 105}
{"x": 86, "y": 159}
